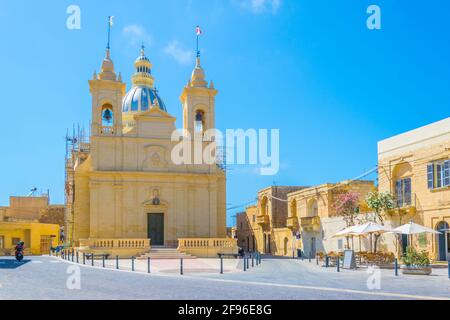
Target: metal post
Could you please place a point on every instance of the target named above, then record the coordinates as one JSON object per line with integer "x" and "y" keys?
{"x": 449, "y": 269}
{"x": 132, "y": 263}
{"x": 253, "y": 261}
{"x": 92, "y": 259}
{"x": 317, "y": 260}
{"x": 245, "y": 264}
{"x": 78, "y": 257}
{"x": 84, "y": 258}
{"x": 221, "y": 265}
{"x": 148, "y": 264}
{"x": 73, "y": 254}
{"x": 337, "y": 263}
{"x": 326, "y": 262}
{"x": 103, "y": 261}
{"x": 309, "y": 257}
{"x": 181, "y": 266}
{"x": 248, "y": 262}
{"x": 396, "y": 267}
{"x": 117, "y": 262}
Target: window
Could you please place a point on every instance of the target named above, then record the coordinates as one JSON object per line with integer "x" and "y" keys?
{"x": 2, "y": 242}
{"x": 107, "y": 115}
{"x": 340, "y": 244}
{"x": 403, "y": 192}
{"x": 254, "y": 218}
{"x": 199, "y": 121}
{"x": 438, "y": 174}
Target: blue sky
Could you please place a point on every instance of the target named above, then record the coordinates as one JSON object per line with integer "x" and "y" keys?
{"x": 310, "y": 68}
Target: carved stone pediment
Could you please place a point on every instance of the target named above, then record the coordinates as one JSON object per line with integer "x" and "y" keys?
{"x": 155, "y": 158}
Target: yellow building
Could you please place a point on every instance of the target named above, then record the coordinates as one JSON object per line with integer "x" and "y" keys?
{"x": 32, "y": 220}
{"x": 415, "y": 168}
{"x": 290, "y": 218}
{"x": 124, "y": 185}
{"x": 263, "y": 227}
{"x": 312, "y": 215}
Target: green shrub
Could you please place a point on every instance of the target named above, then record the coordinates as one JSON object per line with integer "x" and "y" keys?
{"x": 413, "y": 258}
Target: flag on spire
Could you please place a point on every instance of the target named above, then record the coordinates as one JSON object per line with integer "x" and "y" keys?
{"x": 198, "y": 31}
{"x": 110, "y": 20}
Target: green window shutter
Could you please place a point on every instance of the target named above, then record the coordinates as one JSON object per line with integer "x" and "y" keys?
{"x": 430, "y": 176}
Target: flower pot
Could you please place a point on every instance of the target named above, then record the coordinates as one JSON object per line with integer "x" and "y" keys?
{"x": 412, "y": 270}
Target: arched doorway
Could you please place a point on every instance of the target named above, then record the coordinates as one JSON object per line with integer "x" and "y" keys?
{"x": 443, "y": 241}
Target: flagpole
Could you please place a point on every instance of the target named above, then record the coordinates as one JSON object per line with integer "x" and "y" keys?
{"x": 109, "y": 31}
{"x": 198, "y": 52}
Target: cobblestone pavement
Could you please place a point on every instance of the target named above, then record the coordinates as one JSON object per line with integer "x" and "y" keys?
{"x": 47, "y": 278}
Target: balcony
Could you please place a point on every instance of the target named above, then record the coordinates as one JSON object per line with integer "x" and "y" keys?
{"x": 406, "y": 203}
{"x": 310, "y": 224}
{"x": 262, "y": 219}
{"x": 292, "y": 223}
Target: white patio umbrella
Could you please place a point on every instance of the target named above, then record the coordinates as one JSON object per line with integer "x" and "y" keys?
{"x": 361, "y": 230}
{"x": 412, "y": 228}
{"x": 370, "y": 228}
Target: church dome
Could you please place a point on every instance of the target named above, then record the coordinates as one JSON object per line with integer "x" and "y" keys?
{"x": 141, "y": 98}
{"x": 143, "y": 95}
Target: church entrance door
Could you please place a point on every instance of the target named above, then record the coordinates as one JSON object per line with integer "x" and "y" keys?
{"x": 156, "y": 228}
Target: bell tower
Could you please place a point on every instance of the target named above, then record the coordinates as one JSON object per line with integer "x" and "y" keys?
{"x": 198, "y": 101}
{"x": 107, "y": 91}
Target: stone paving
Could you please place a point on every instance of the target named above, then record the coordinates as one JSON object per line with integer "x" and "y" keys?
{"x": 47, "y": 278}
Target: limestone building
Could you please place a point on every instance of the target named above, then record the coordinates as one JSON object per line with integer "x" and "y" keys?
{"x": 415, "y": 168}
{"x": 124, "y": 184}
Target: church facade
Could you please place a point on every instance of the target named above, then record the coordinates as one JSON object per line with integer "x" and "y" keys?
{"x": 123, "y": 183}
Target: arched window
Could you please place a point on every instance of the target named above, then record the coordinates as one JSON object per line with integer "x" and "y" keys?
{"x": 313, "y": 209}
{"x": 294, "y": 208}
{"x": 264, "y": 206}
{"x": 199, "y": 121}
{"x": 107, "y": 115}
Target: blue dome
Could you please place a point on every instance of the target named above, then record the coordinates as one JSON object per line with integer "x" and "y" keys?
{"x": 140, "y": 98}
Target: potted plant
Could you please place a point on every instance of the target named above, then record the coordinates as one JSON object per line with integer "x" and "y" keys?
{"x": 417, "y": 263}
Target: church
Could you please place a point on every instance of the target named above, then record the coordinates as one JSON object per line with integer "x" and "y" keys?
{"x": 122, "y": 188}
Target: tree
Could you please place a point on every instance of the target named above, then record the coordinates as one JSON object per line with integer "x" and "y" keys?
{"x": 346, "y": 205}
{"x": 380, "y": 203}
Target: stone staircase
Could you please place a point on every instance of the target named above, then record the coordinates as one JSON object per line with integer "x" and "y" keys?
{"x": 161, "y": 253}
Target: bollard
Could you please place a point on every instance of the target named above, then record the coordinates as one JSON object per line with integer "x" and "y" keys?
{"x": 309, "y": 258}
{"x": 132, "y": 263}
{"x": 253, "y": 261}
{"x": 245, "y": 266}
{"x": 221, "y": 265}
{"x": 84, "y": 258}
{"x": 337, "y": 264}
{"x": 248, "y": 262}
{"x": 148, "y": 264}
{"x": 78, "y": 257}
{"x": 449, "y": 269}
{"x": 92, "y": 259}
{"x": 396, "y": 267}
{"x": 181, "y": 266}
{"x": 73, "y": 254}
{"x": 103, "y": 261}
{"x": 326, "y": 262}
{"x": 317, "y": 260}
{"x": 117, "y": 262}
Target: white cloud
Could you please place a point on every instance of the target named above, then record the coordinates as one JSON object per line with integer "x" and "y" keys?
{"x": 137, "y": 35}
{"x": 259, "y": 6}
{"x": 179, "y": 53}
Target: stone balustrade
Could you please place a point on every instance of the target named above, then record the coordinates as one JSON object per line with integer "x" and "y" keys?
{"x": 116, "y": 247}
{"x": 207, "y": 247}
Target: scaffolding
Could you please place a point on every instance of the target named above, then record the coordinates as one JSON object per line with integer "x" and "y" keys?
{"x": 77, "y": 150}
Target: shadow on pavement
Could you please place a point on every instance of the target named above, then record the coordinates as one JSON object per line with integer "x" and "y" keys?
{"x": 12, "y": 263}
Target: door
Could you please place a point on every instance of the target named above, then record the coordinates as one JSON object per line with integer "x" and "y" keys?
{"x": 46, "y": 243}
{"x": 156, "y": 228}
{"x": 443, "y": 241}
